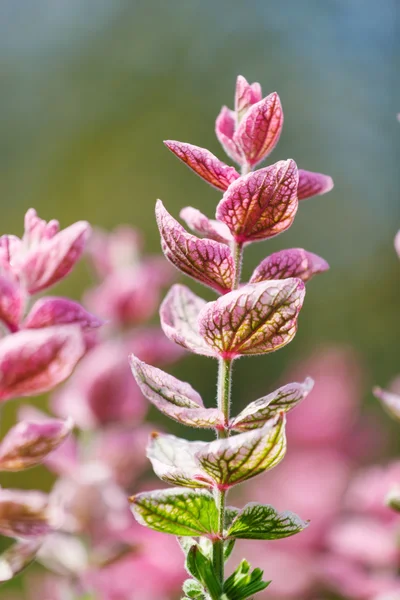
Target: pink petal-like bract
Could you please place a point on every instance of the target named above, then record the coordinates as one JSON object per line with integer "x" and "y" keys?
{"x": 51, "y": 259}
{"x": 24, "y": 514}
{"x": 175, "y": 399}
{"x": 179, "y": 314}
{"x": 256, "y": 319}
{"x": 207, "y": 261}
{"x": 11, "y": 302}
{"x": 29, "y": 442}
{"x": 262, "y": 204}
{"x": 245, "y": 96}
{"x": 49, "y": 311}
{"x": 313, "y": 184}
{"x": 35, "y": 361}
{"x": 204, "y": 163}
{"x": 210, "y": 228}
{"x": 294, "y": 262}
{"x": 260, "y": 129}
{"x": 224, "y": 130}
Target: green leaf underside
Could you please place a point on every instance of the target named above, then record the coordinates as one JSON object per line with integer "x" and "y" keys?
{"x": 176, "y": 511}
{"x": 201, "y": 568}
{"x": 263, "y": 522}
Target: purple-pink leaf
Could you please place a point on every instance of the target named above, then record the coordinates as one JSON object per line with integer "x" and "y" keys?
{"x": 204, "y": 163}
{"x": 282, "y": 400}
{"x": 224, "y": 130}
{"x": 17, "y": 557}
{"x": 12, "y": 302}
{"x": 29, "y": 442}
{"x": 256, "y": 319}
{"x": 207, "y": 261}
{"x": 294, "y": 262}
{"x": 179, "y": 314}
{"x": 313, "y": 184}
{"x": 390, "y": 401}
{"x": 49, "y": 311}
{"x": 235, "y": 459}
{"x": 210, "y": 228}
{"x": 262, "y": 204}
{"x": 175, "y": 399}
{"x": 245, "y": 96}
{"x": 24, "y": 514}
{"x": 50, "y": 255}
{"x": 260, "y": 129}
{"x": 35, "y": 361}
{"x": 173, "y": 460}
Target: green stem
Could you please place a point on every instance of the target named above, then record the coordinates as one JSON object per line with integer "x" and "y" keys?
{"x": 237, "y": 250}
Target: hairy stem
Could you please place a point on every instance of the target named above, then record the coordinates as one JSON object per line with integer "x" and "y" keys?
{"x": 237, "y": 250}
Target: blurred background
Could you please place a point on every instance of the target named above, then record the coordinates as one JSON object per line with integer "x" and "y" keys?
{"x": 91, "y": 88}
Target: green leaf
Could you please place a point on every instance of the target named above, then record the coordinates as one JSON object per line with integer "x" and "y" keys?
{"x": 233, "y": 460}
{"x": 193, "y": 589}
{"x": 201, "y": 568}
{"x": 263, "y": 522}
{"x": 243, "y": 582}
{"x": 176, "y": 511}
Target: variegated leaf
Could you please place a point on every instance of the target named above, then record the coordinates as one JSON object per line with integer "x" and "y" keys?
{"x": 313, "y": 184}
{"x": 17, "y": 557}
{"x": 245, "y": 96}
{"x": 260, "y": 129}
{"x": 210, "y": 228}
{"x": 390, "y": 401}
{"x": 263, "y": 522}
{"x": 179, "y": 314}
{"x": 235, "y": 459}
{"x": 256, "y": 319}
{"x": 207, "y": 261}
{"x": 204, "y": 164}
{"x": 257, "y": 413}
{"x": 174, "y": 398}
{"x": 224, "y": 130}
{"x": 261, "y": 204}
{"x": 173, "y": 460}
{"x": 177, "y": 511}
{"x": 294, "y": 262}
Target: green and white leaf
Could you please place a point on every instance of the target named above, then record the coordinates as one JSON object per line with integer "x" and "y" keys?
{"x": 201, "y": 568}
{"x": 176, "y": 511}
{"x": 233, "y": 460}
{"x": 173, "y": 460}
{"x": 263, "y": 522}
{"x": 257, "y": 413}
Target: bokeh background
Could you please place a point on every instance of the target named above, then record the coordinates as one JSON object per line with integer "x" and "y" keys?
{"x": 90, "y": 88}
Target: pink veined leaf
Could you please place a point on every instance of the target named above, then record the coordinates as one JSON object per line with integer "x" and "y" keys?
{"x": 17, "y": 557}
{"x": 256, "y": 319}
{"x": 282, "y": 400}
{"x": 232, "y": 460}
{"x": 389, "y": 400}
{"x": 224, "y": 130}
{"x": 210, "y": 228}
{"x": 245, "y": 96}
{"x": 260, "y": 129}
{"x": 397, "y": 243}
{"x": 206, "y": 261}
{"x": 35, "y": 361}
{"x": 29, "y": 442}
{"x": 204, "y": 164}
{"x": 12, "y": 302}
{"x": 175, "y": 399}
{"x": 262, "y": 204}
{"x": 25, "y": 514}
{"x": 52, "y": 259}
{"x": 49, "y": 311}
{"x": 173, "y": 460}
{"x": 313, "y": 184}
{"x": 179, "y": 319}
{"x": 37, "y": 229}
{"x": 294, "y": 262}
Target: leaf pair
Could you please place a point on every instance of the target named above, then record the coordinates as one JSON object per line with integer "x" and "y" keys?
{"x": 179, "y": 401}
{"x": 194, "y": 513}
{"x": 256, "y": 319}
{"x": 219, "y": 464}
